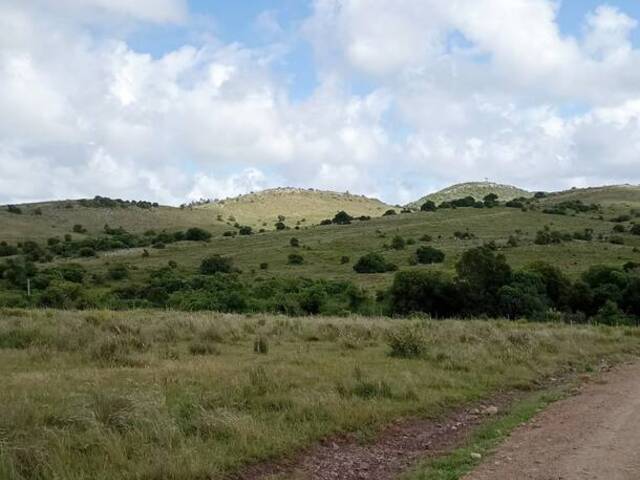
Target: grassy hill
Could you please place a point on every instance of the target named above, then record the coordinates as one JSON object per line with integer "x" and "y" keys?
{"x": 477, "y": 190}
{"x": 39, "y": 221}
{"x": 298, "y": 206}
{"x": 611, "y": 195}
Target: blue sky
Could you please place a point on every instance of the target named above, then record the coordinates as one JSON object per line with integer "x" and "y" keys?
{"x": 173, "y": 100}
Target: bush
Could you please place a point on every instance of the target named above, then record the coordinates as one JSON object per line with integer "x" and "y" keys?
{"x": 216, "y": 264}
{"x": 428, "y": 255}
{"x": 13, "y": 209}
{"x": 118, "y": 272}
{"x": 245, "y": 230}
{"x": 389, "y": 212}
{"x": 407, "y": 341}
{"x": 344, "y": 260}
{"x": 428, "y": 206}
{"x": 264, "y": 266}
{"x": 619, "y": 228}
{"x": 398, "y": 243}
{"x": 280, "y": 226}
{"x": 342, "y": 218}
{"x": 77, "y": 228}
{"x": 294, "y": 242}
{"x": 196, "y": 234}
{"x": 635, "y": 229}
{"x": 373, "y": 263}
{"x": 7, "y": 250}
{"x": 87, "y": 252}
{"x": 295, "y": 259}
{"x": 616, "y": 240}
{"x": 426, "y": 238}
{"x": 423, "y": 291}
{"x": 203, "y": 348}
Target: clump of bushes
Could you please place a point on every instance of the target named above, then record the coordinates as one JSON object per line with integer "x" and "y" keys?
{"x": 407, "y": 341}
{"x": 294, "y": 242}
{"x": 428, "y": 206}
{"x": 295, "y": 259}
{"x": 216, "y": 264}
{"x": 398, "y": 243}
{"x": 373, "y": 263}
{"x": 428, "y": 255}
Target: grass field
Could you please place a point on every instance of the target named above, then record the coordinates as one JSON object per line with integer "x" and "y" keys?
{"x": 323, "y": 246}
{"x": 156, "y": 395}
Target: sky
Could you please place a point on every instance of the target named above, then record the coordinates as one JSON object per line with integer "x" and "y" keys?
{"x": 177, "y": 100}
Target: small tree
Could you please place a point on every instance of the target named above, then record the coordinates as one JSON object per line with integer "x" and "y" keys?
{"x": 373, "y": 263}
{"x": 295, "y": 259}
{"x": 428, "y": 255}
{"x": 342, "y": 218}
{"x": 428, "y": 206}
{"x": 216, "y": 264}
{"x": 398, "y": 243}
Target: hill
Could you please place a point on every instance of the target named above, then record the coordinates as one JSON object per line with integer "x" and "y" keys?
{"x": 619, "y": 195}
{"x": 39, "y": 221}
{"x": 477, "y": 190}
{"x": 297, "y": 205}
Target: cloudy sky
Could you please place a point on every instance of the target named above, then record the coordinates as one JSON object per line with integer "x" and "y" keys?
{"x": 171, "y": 100}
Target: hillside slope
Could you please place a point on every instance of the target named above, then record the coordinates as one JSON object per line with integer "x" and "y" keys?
{"x": 620, "y": 195}
{"x": 477, "y": 190}
{"x": 261, "y": 209}
{"x": 39, "y": 221}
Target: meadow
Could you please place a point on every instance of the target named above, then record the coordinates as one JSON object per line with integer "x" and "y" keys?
{"x": 173, "y": 395}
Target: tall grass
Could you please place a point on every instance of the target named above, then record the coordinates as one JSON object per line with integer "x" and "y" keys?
{"x": 173, "y": 395}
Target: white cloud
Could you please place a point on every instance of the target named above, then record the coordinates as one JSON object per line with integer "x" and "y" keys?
{"x": 457, "y": 90}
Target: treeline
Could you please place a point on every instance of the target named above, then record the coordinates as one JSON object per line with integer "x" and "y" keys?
{"x": 106, "y": 202}
{"x": 484, "y": 285}
{"x": 111, "y": 239}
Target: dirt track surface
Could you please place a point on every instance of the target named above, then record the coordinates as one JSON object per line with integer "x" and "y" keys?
{"x": 594, "y": 435}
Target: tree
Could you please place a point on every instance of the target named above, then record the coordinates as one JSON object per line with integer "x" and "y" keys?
{"x": 391, "y": 211}
{"x": 216, "y": 264}
{"x": 196, "y": 234}
{"x": 490, "y": 200}
{"x": 428, "y": 255}
{"x": 342, "y": 218}
{"x": 398, "y": 243}
{"x": 373, "y": 263}
{"x": 428, "y": 206}
{"x": 245, "y": 230}
{"x": 423, "y": 291}
{"x": 482, "y": 273}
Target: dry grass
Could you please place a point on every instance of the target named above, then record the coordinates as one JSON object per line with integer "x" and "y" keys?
{"x": 159, "y": 395}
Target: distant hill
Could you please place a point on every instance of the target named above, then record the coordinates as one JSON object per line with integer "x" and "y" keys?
{"x": 628, "y": 195}
{"x": 477, "y": 190}
{"x": 39, "y": 221}
{"x": 307, "y": 206}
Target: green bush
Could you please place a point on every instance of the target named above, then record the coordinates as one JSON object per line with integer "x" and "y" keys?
{"x": 342, "y": 218}
{"x": 294, "y": 242}
{"x": 428, "y": 206}
{"x": 344, "y": 260}
{"x": 118, "y": 272}
{"x": 407, "y": 341}
{"x": 373, "y": 263}
{"x": 398, "y": 243}
{"x": 428, "y": 255}
{"x": 196, "y": 234}
{"x": 216, "y": 264}
{"x": 295, "y": 259}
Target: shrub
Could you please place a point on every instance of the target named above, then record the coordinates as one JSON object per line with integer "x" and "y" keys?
{"x": 13, "y": 209}
{"x": 407, "y": 341}
{"x": 342, "y": 218}
{"x": 426, "y": 238}
{"x": 619, "y": 228}
{"x": 77, "y": 228}
{"x": 261, "y": 345}
{"x": 280, "y": 225}
{"x": 616, "y": 240}
{"x": 423, "y": 291}
{"x": 635, "y": 229}
{"x": 264, "y": 266}
{"x": 428, "y": 206}
{"x": 196, "y": 234}
{"x": 7, "y": 250}
{"x": 398, "y": 243}
{"x": 295, "y": 259}
{"x": 87, "y": 252}
{"x": 428, "y": 255}
{"x": 216, "y": 264}
{"x": 245, "y": 230}
{"x": 294, "y": 242}
{"x": 118, "y": 272}
{"x": 389, "y": 212}
{"x": 344, "y": 260}
{"x": 373, "y": 263}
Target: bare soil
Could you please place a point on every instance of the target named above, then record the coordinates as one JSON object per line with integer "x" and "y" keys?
{"x": 594, "y": 435}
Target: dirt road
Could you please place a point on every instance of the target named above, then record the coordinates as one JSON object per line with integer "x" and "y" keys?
{"x": 594, "y": 435}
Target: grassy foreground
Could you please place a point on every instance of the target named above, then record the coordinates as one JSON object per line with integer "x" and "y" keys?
{"x": 167, "y": 395}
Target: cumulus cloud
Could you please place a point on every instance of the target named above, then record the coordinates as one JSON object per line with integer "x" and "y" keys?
{"x": 454, "y": 91}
